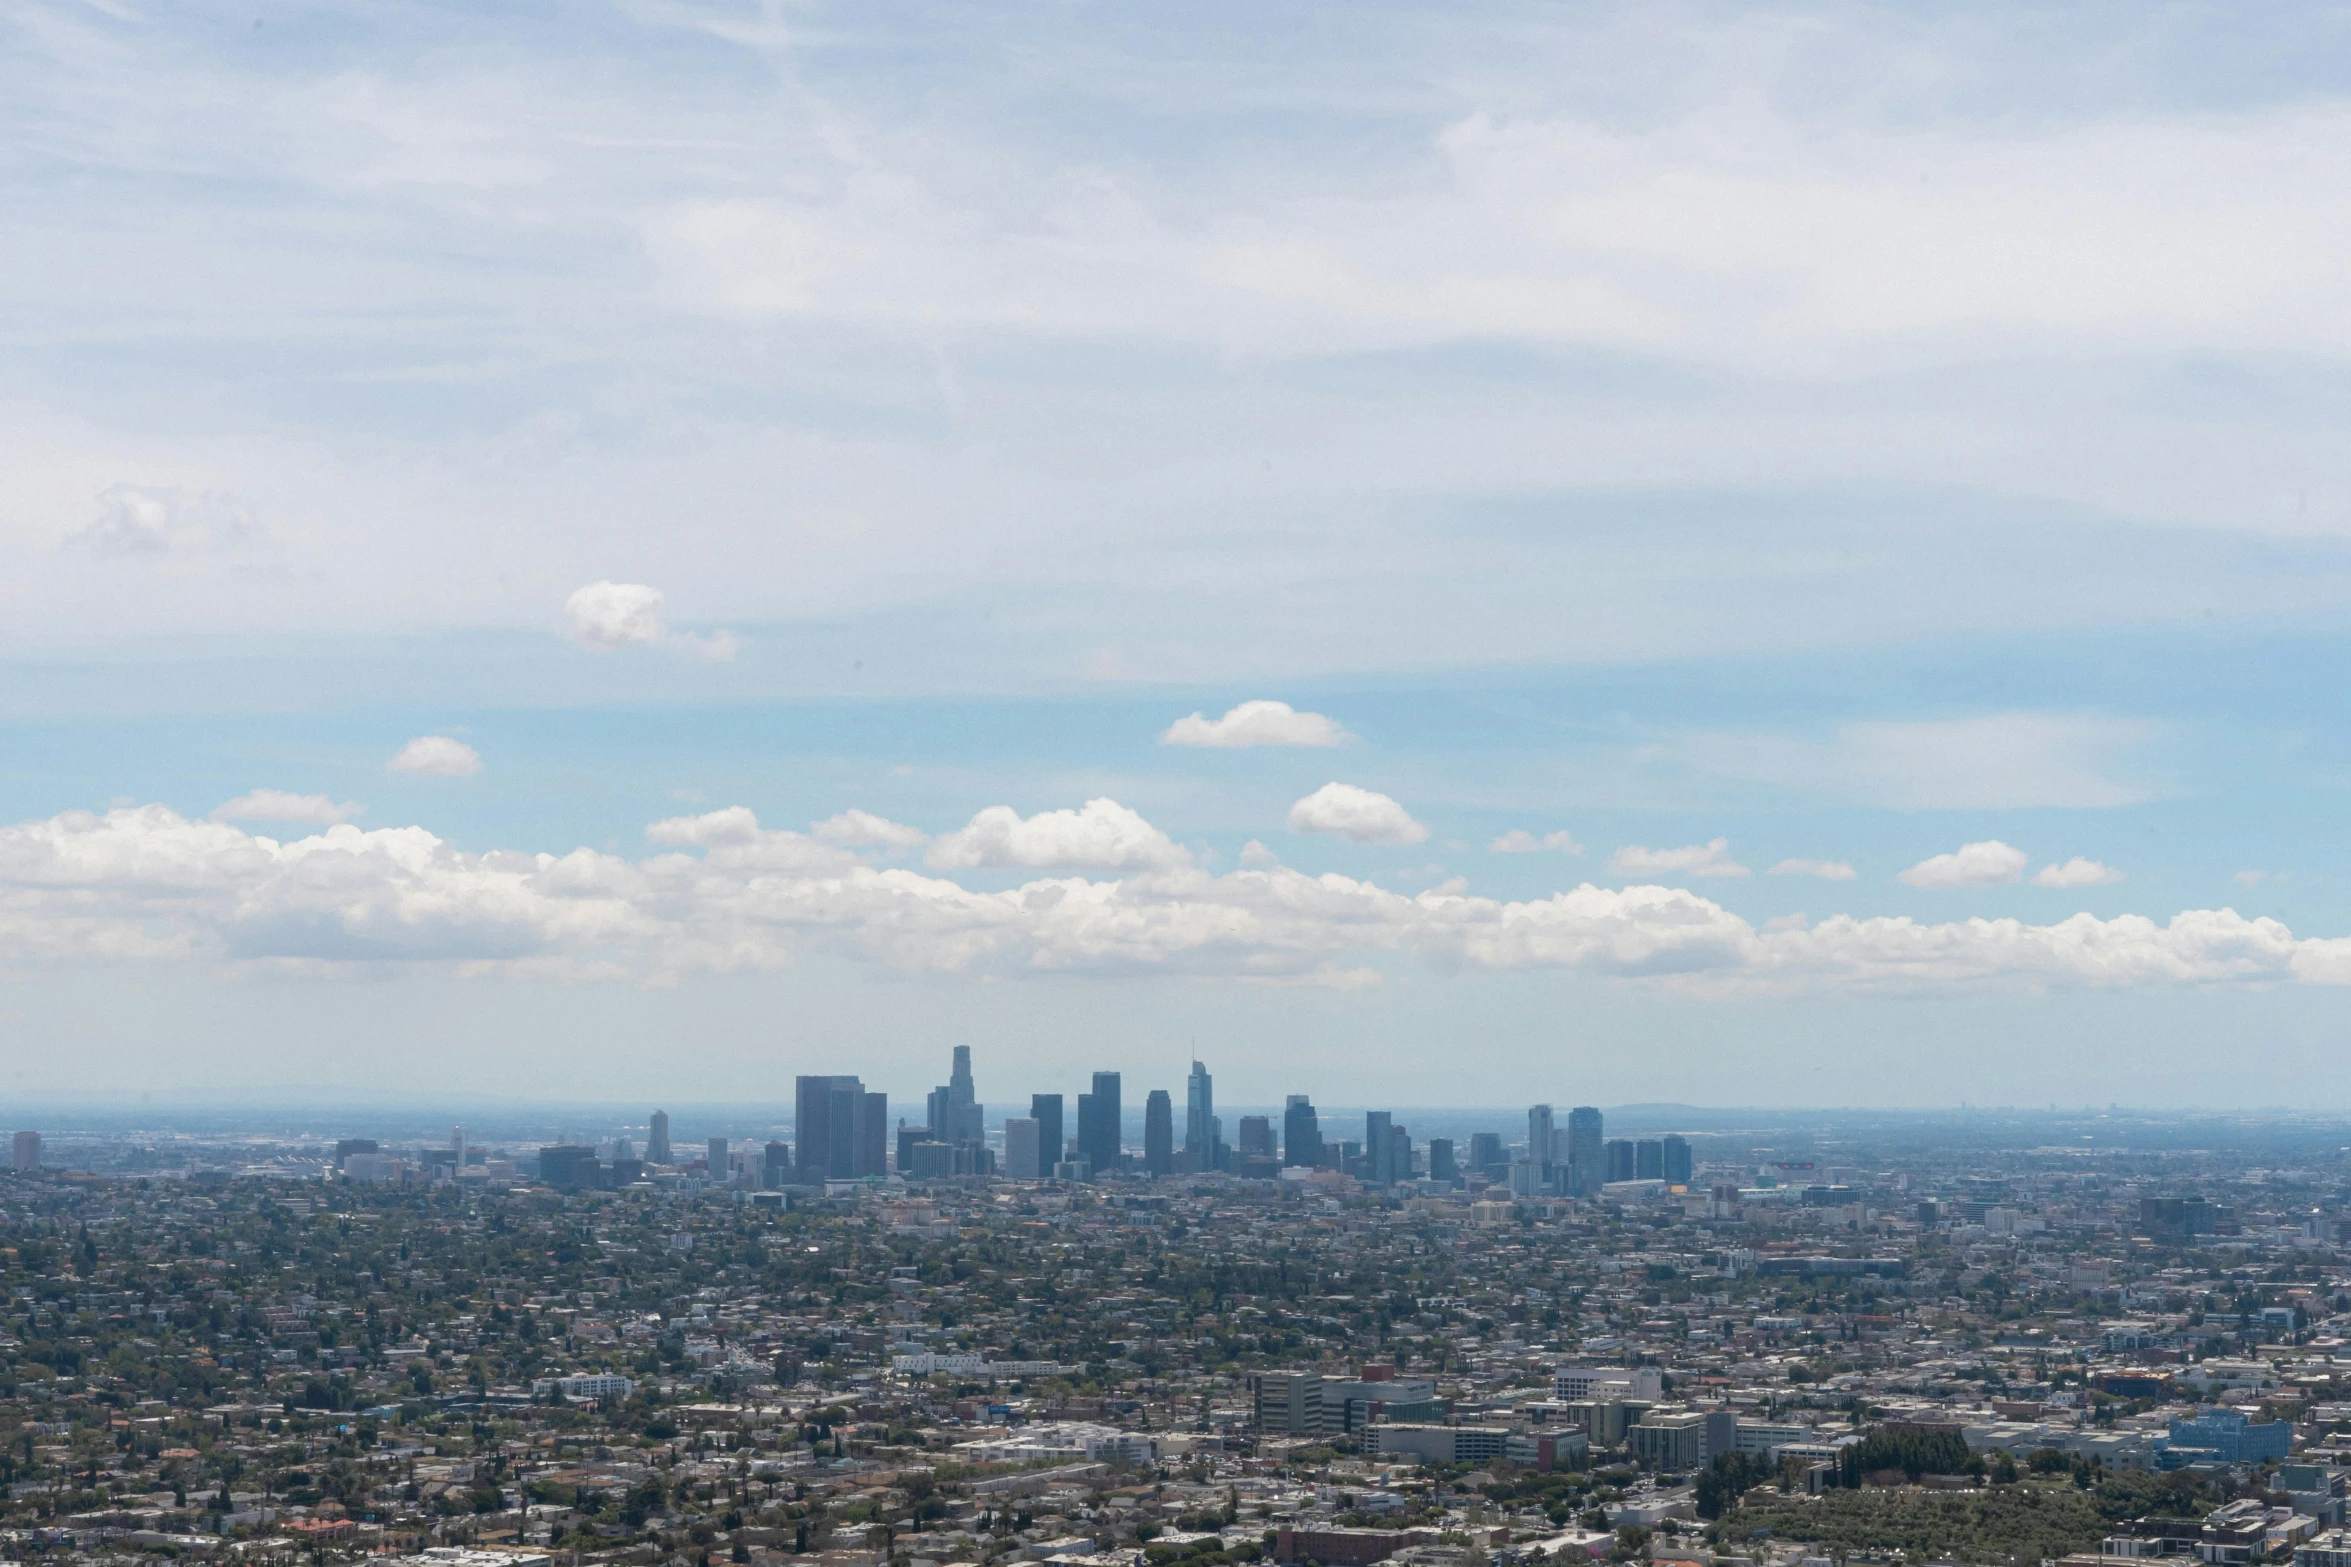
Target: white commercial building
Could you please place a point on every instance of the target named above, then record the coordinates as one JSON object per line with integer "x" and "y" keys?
{"x": 1580, "y": 1384}
{"x": 1064, "y": 1439}
{"x": 592, "y": 1385}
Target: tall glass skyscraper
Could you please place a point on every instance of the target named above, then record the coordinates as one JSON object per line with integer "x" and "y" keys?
{"x": 1301, "y": 1133}
{"x": 1202, "y": 1134}
{"x": 1052, "y": 1146}
{"x": 1583, "y": 1151}
{"x": 1159, "y": 1133}
{"x": 1100, "y": 1136}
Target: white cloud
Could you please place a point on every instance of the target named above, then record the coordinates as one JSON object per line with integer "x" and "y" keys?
{"x": 1990, "y": 863}
{"x": 1826, "y": 870}
{"x": 1358, "y": 815}
{"x": 2077, "y": 872}
{"x": 437, "y": 754}
{"x": 145, "y": 884}
{"x": 143, "y": 520}
{"x": 1698, "y": 859}
{"x": 1100, "y": 835}
{"x": 277, "y": 805}
{"x": 2250, "y": 878}
{"x": 1255, "y": 853}
{"x": 862, "y": 829}
{"x": 1994, "y": 761}
{"x": 1519, "y": 841}
{"x": 1255, "y": 723}
{"x": 615, "y": 615}
{"x": 610, "y": 615}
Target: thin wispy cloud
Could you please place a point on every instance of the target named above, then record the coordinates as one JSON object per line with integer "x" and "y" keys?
{"x": 1697, "y": 859}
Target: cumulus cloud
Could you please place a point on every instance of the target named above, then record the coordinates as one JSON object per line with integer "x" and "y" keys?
{"x": 2077, "y": 872}
{"x": 439, "y": 755}
{"x": 1100, "y": 835}
{"x": 1519, "y": 841}
{"x": 1826, "y": 870}
{"x": 1990, "y": 863}
{"x": 1698, "y": 859}
{"x": 612, "y": 615}
{"x": 142, "y": 520}
{"x": 1358, "y": 815}
{"x": 145, "y": 884}
{"x": 1255, "y": 723}
{"x": 1255, "y": 853}
{"x": 862, "y": 829}
{"x": 277, "y": 805}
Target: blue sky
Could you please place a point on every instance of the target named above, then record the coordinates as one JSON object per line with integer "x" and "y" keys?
{"x": 1845, "y": 433}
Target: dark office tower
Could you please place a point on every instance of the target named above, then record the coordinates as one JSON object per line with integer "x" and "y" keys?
{"x": 1399, "y": 1154}
{"x": 1616, "y": 1159}
{"x": 1539, "y": 1138}
{"x": 1200, "y": 1127}
{"x": 1100, "y": 1142}
{"x": 1256, "y": 1137}
{"x": 908, "y": 1137}
{"x": 1301, "y": 1133}
{"x": 1159, "y": 1133}
{"x": 775, "y": 1165}
{"x": 1045, "y": 1110}
{"x": 657, "y": 1139}
{"x": 1486, "y": 1154}
{"x": 568, "y": 1166}
{"x": 871, "y": 1154}
{"x": 1441, "y": 1166}
{"x": 1677, "y": 1161}
{"x": 824, "y": 1123}
{"x": 1375, "y": 1147}
{"x": 1648, "y": 1160}
{"x": 1583, "y": 1151}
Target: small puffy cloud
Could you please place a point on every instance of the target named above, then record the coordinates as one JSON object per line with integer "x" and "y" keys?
{"x": 1100, "y": 835}
{"x": 1826, "y": 870}
{"x": 2251, "y": 878}
{"x": 862, "y": 829}
{"x": 2077, "y": 872}
{"x": 1697, "y": 859}
{"x": 615, "y": 615}
{"x": 277, "y": 805}
{"x": 1255, "y": 723}
{"x": 139, "y": 520}
{"x": 1255, "y": 853}
{"x": 1358, "y": 815}
{"x": 439, "y": 755}
{"x": 610, "y": 615}
{"x": 1519, "y": 841}
{"x": 1990, "y": 863}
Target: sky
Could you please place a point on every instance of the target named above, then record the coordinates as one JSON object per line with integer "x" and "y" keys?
{"x": 1734, "y": 555}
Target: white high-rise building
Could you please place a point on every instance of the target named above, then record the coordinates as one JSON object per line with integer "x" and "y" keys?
{"x": 1022, "y": 1153}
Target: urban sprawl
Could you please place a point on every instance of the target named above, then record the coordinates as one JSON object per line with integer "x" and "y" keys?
{"x": 982, "y": 1339}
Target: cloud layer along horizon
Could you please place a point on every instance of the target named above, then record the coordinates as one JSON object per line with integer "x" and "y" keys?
{"x": 145, "y": 884}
